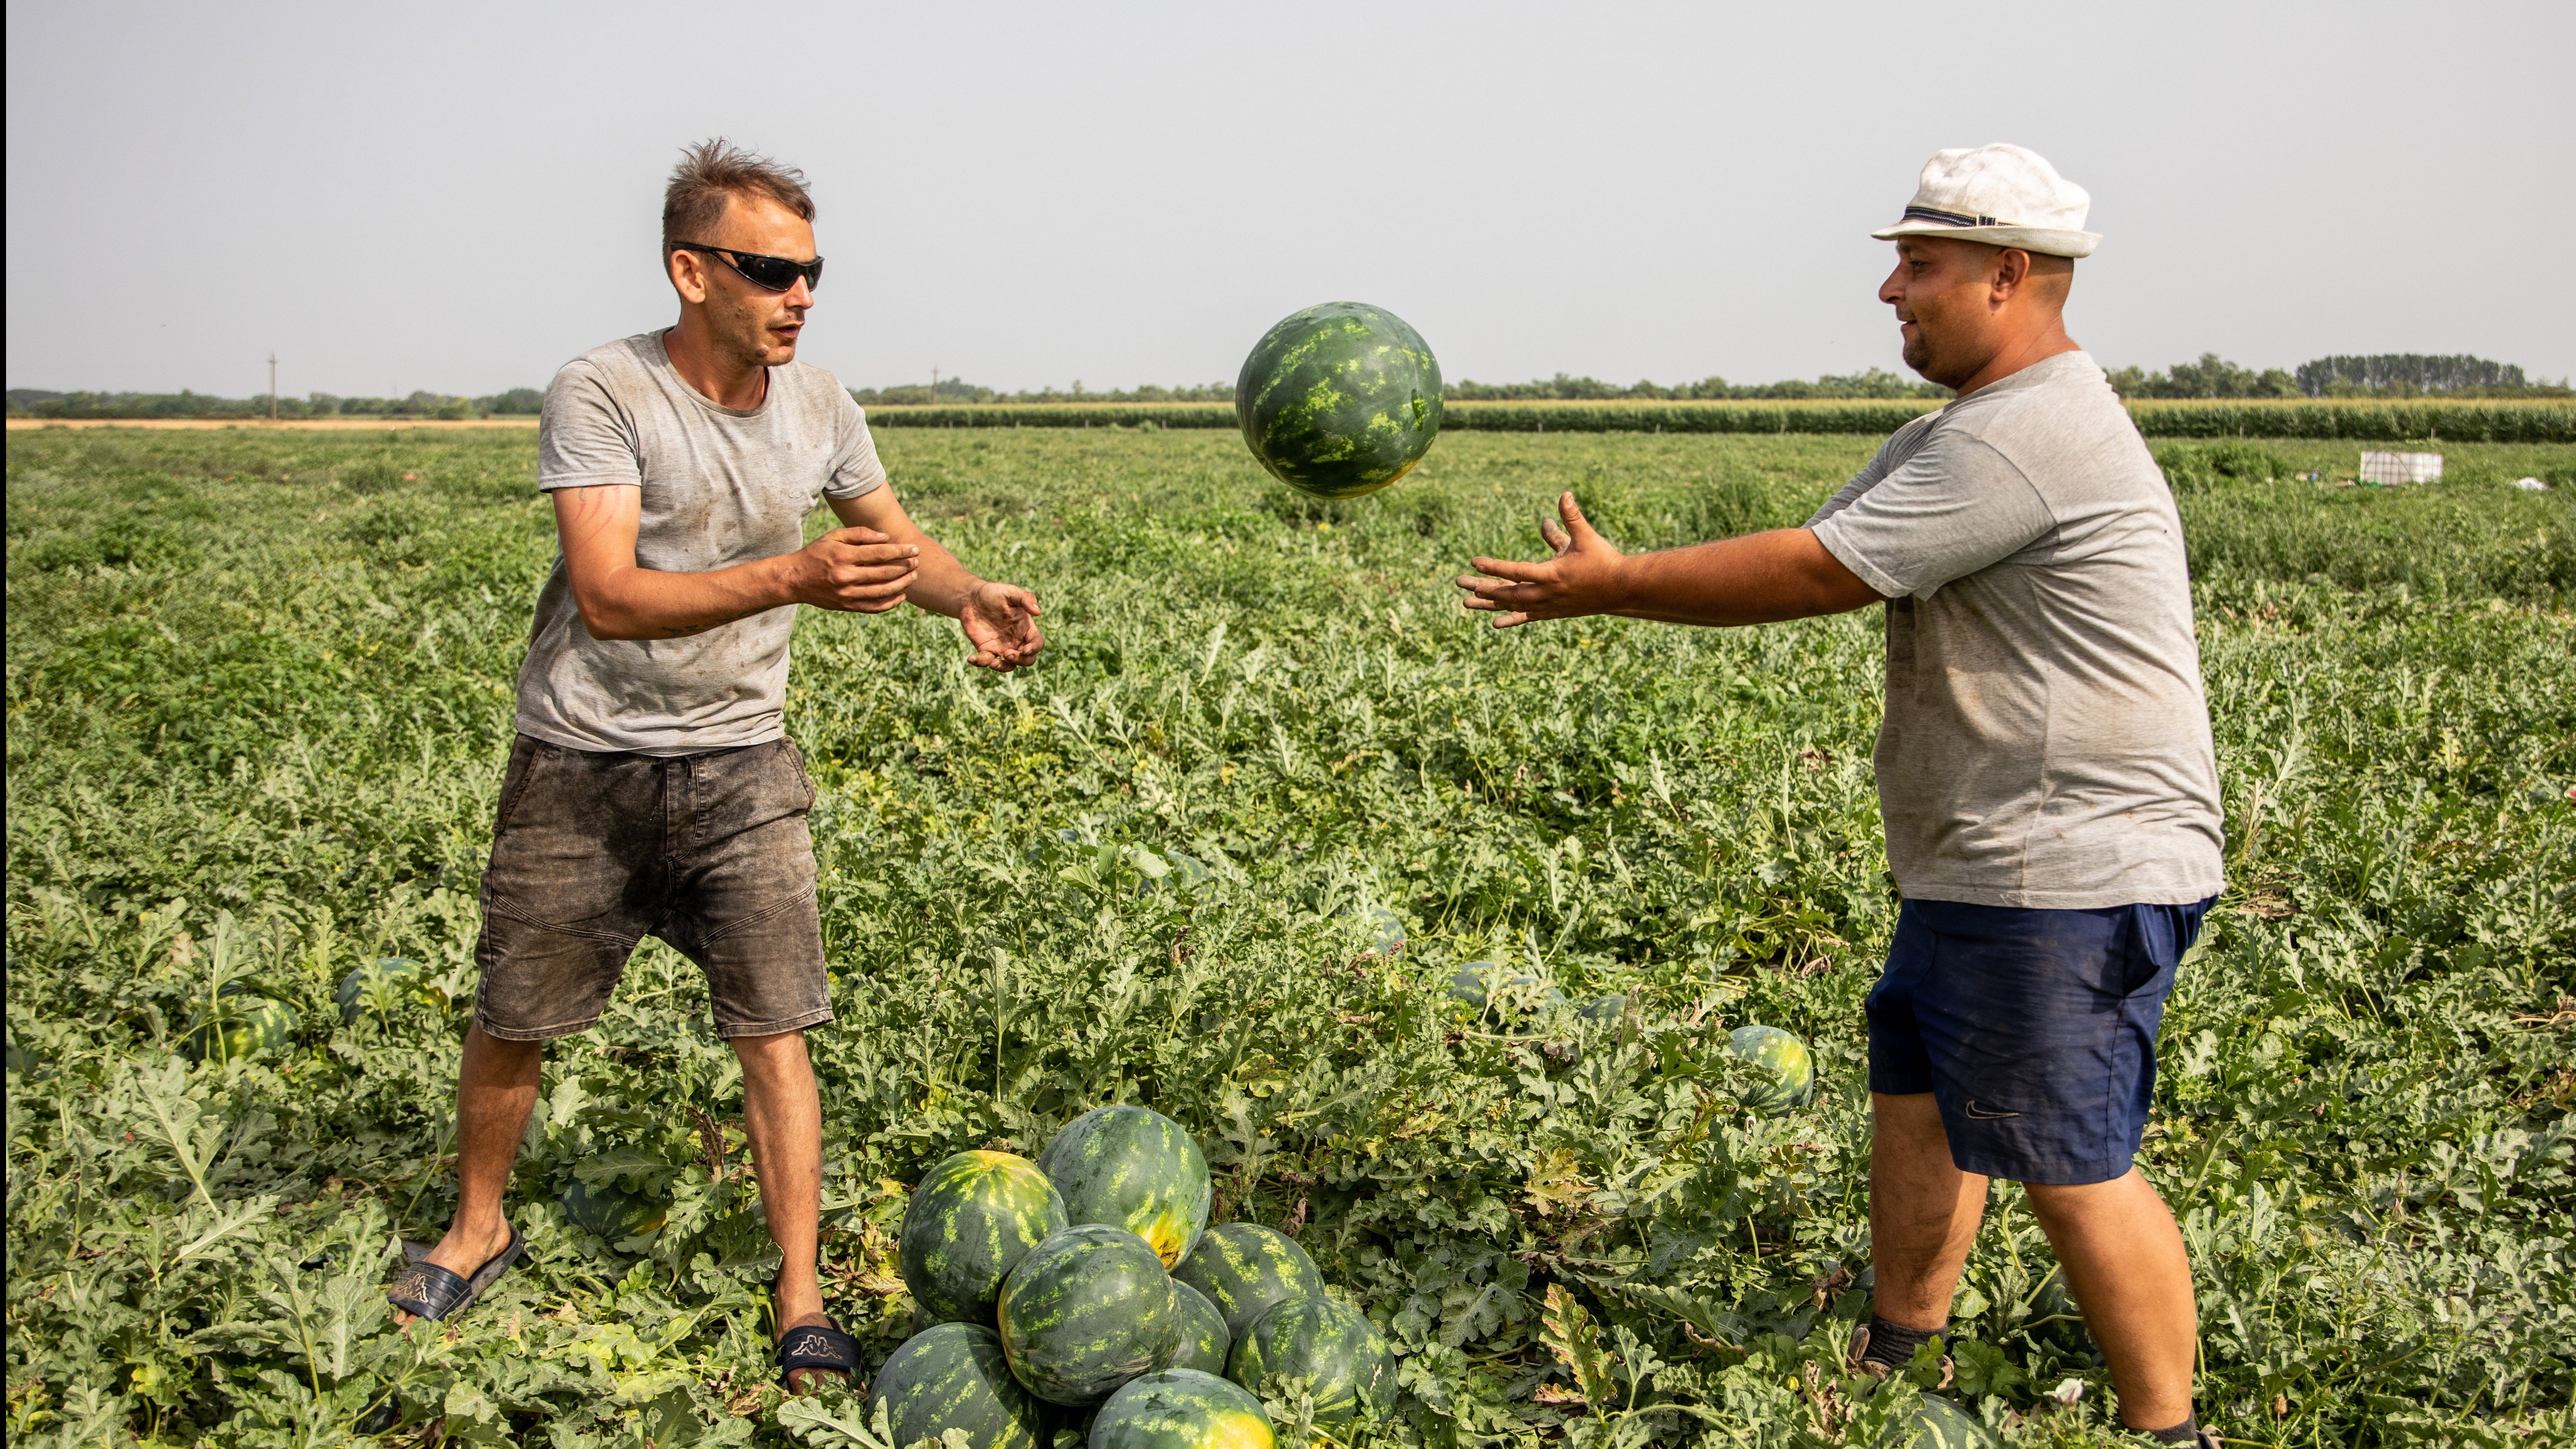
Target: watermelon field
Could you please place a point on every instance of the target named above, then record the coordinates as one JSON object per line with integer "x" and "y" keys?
{"x": 259, "y": 694}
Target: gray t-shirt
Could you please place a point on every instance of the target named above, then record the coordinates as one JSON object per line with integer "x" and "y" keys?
{"x": 721, "y": 487}
{"x": 2046, "y": 743}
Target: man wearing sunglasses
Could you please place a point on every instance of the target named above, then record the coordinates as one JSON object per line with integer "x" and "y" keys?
{"x": 652, "y": 789}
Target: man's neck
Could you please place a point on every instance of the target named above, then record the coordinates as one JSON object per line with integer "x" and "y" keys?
{"x": 2026, "y": 352}
{"x": 726, "y": 381}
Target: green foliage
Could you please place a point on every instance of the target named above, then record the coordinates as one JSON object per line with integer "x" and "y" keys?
{"x": 2444, "y": 422}
{"x": 259, "y": 701}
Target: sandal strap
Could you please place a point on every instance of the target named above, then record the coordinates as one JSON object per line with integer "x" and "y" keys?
{"x": 428, "y": 1290}
{"x": 816, "y": 1347}
{"x": 433, "y": 1292}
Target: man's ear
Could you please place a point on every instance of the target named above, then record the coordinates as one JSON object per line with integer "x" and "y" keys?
{"x": 688, "y": 275}
{"x": 2012, "y": 271}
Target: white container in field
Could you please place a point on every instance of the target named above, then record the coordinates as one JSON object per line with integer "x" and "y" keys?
{"x": 2386, "y": 468}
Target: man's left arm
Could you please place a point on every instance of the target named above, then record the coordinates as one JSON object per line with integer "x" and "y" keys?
{"x": 1000, "y": 620}
{"x": 1759, "y": 578}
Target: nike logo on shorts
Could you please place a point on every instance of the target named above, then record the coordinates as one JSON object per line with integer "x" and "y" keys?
{"x": 1982, "y": 1113}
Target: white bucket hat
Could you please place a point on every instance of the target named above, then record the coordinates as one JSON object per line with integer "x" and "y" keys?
{"x": 2004, "y": 196}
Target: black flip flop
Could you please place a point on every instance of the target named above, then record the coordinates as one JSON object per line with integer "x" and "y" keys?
{"x": 432, "y": 1292}
{"x": 816, "y": 1347}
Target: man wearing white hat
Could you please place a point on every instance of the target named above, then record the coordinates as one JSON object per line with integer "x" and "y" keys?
{"x": 2044, "y": 768}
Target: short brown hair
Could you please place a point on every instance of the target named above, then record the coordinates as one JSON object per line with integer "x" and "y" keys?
{"x": 713, "y": 172}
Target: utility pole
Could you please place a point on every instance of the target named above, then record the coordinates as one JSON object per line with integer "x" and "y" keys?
{"x": 934, "y": 382}
{"x": 272, "y": 387}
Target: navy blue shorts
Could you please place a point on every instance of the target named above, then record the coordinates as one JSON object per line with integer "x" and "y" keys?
{"x": 2034, "y": 1031}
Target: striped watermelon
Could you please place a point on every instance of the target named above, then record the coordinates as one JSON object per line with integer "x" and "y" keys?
{"x": 1132, "y": 1168}
{"x": 1204, "y": 1342}
{"x": 1791, "y": 1066}
{"x": 245, "y": 1024}
{"x": 953, "y": 1376}
{"x": 615, "y": 1215}
{"x": 1245, "y": 1269}
{"x": 1085, "y": 1311}
{"x": 1608, "y": 1010}
{"x": 969, "y": 1222}
{"x": 1181, "y": 1409}
{"x": 1331, "y": 1344}
{"x": 1339, "y": 400}
{"x": 1939, "y": 1423}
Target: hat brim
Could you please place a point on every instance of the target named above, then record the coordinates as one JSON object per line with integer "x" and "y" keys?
{"x": 2047, "y": 240}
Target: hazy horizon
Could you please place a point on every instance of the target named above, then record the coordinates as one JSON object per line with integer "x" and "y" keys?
{"x": 1023, "y": 197}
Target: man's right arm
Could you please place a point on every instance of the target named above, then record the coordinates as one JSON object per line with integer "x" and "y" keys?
{"x": 857, "y": 570}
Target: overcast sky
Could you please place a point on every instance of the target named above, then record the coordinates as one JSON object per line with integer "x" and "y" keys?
{"x": 460, "y": 197}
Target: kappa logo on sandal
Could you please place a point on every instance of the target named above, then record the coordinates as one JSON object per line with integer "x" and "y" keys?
{"x": 1982, "y": 1113}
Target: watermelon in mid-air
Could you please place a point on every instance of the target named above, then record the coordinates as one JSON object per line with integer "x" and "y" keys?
{"x": 611, "y": 1212}
{"x": 969, "y": 1223}
{"x": 1181, "y": 1409}
{"x": 1790, "y": 1066}
{"x": 952, "y": 1376}
{"x": 1204, "y": 1342}
{"x": 1332, "y": 1345}
{"x": 1134, "y": 1168}
{"x": 1245, "y": 1269}
{"x": 1085, "y": 1311}
{"x": 1339, "y": 400}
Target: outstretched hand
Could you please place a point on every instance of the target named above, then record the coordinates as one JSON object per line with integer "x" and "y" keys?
{"x": 1583, "y": 578}
{"x": 1001, "y": 622}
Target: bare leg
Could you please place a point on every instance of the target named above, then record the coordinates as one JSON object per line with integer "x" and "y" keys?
{"x": 783, "y": 1115}
{"x": 1923, "y": 1211}
{"x": 496, "y": 1087}
{"x": 2125, "y": 1264}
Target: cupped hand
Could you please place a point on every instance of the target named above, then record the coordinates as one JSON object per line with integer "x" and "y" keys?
{"x": 1583, "y": 578}
{"x": 858, "y": 570}
{"x": 1001, "y": 622}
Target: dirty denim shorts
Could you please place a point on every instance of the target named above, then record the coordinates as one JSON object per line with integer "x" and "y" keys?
{"x": 2034, "y": 1030}
{"x": 595, "y": 851}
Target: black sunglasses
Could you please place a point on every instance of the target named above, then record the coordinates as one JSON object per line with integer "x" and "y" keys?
{"x": 777, "y": 274}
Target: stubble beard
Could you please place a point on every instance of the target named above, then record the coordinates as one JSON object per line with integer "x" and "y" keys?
{"x": 1918, "y": 352}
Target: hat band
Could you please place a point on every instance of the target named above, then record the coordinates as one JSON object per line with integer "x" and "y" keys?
{"x": 1948, "y": 218}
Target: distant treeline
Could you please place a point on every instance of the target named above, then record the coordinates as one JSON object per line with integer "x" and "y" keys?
{"x": 956, "y": 392}
{"x": 25, "y": 402}
{"x": 2390, "y": 375}
{"x": 2387, "y": 376}
{"x": 1875, "y": 383}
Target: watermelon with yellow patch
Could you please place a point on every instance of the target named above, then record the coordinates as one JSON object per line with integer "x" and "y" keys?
{"x": 971, "y": 1220}
{"x": 1181, "y": 1409}
{"x": 1339, "y": 400}
{"x": 1783, "y": 1058}
{"x": 1132, "y": 1168}
{"x": 1332, "y": 1346}
{"x": 1246, "y": 1269}
{"x": 954, "y": 1376}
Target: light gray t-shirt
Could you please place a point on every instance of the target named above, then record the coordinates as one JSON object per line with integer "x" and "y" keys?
{"x": 721, "y": 487}
{"x": 2046, "y": 743}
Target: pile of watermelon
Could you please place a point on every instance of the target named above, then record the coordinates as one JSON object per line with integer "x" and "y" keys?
{"x": 1089, "y": 1282}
